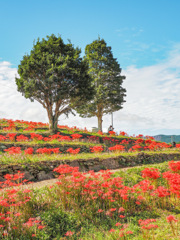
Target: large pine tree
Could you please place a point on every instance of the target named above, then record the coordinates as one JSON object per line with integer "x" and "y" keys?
{"x": 54, "y": 75}
{"x": 107, "y": 80}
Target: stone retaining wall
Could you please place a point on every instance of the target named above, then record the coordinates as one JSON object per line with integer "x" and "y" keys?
{"x": 44, "y": 170}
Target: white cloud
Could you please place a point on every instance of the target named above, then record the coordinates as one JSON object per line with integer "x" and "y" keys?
{"x": 13, "y": 104}
{"x": 152, "y": 102}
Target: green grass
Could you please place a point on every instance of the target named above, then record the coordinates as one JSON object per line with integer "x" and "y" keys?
{"x": 132, "y": 175}
{"x": 54, "y": 142}
{"x": 59, "y": 220}
{"x": 5, "y": 158}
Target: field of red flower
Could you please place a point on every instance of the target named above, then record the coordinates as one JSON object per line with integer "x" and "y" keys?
{"x": 98, "y": 198}
{"x": 143, "y": 204}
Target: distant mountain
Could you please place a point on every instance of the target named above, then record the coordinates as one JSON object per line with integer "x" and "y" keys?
{"x": 167, "y": 138}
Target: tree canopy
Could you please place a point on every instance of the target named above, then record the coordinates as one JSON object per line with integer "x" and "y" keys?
{"x": 54, "y": 75}
{"x": 107, "y": 81}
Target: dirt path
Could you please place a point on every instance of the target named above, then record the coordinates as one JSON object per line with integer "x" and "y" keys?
{"x": 50, "y": 182}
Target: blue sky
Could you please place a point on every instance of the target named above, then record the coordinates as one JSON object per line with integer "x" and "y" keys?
{"x": 145, "y": 39}
{"x": 140, "y": 32}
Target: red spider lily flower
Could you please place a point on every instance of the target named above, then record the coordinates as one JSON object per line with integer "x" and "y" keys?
{"x": 100, "y": 211}
{"x": 97, "y": 149}
{"x": 174, "y": 166}
{"x": 136, "y": 147}
{"x": 151, "y": 173}
{"x": 123, "y": 133}
{"x": 8, "y": 219}
{"x": 122, "y": 216}
{"x": 146, "y": 221}
{"x": 43, "y": 150}
{"x": 124, "y": 141}
{"x": 171, "y": 218}
{"x": 112, "y": 133}
{"x": 112, "y": 209}
{"x": 62, "y": 169}
{"x": 29, "y": 151}
{"x": 41, "y": 227}
{"x": 129, "y": 232}
{"x": 73, "y": 151}
{"x": 100, "y": 132}
{"x": 22, "y": 138}
{"x": 27, "y": 191}
{"x": 161, "y": 192}
{"x": 139, "y": 141}
{"x": 76, "y": 136}
{"x": 139, "y": 136}
{"x": 36, "y": 136}
{"x": 64, "y": 138}
{"x": 118, "y": 224}
{"x": 117, "y": 148}
{"x": 17, "y": 214}
{"x": 8, "y": 176}
{"x": 13, "y": 150}
{"x": 8, "y": 212}
{"x": 112, "y": 230}
{"x": 2, "y": 138}
{"x": 11, "y": 136}
{"x": 150, "y": 226}
{"x": 55, "y": 150}
{"x": 69, "y": 233}
{"x": 121, "y": 209}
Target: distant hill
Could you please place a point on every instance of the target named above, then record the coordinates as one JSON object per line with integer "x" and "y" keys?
{"x": 167, "y": 138}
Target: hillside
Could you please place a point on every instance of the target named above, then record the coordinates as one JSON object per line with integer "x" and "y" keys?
{"x": 86, "y": 201}
{"x": 167, "y": 138}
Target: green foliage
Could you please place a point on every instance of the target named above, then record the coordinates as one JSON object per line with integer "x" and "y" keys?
{"x": 58, "y": 222}
{"x": 105, "y": 72}
{"x": 133, "y": 175}
{"x": 55, "y": 76}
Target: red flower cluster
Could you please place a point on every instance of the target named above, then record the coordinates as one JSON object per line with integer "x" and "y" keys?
{"x": 22, "y": 138}
{"x": 146, "y": 223}
{"x": 36, "y": 136}
{"x": 171, "y": 218}
{"x": 174, "y": 166}
{"x": 11, "y": 136}
{"x": 76, "y": 136}
{"x": 112, "y": 133}
{"x": 13, "y": 150}
{"x": 29, "y": 151}
{"x": 2, "y": 138}
{"x": 73, "y": 151}
{"x": 123, "y": 133}
{"x": 150, "y": 173}
{"x": 47, "y": 150}
{"x": 96, "y": 149}
{"x": 117, "y": 148}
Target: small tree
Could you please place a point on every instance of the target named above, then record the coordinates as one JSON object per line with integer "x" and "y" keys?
{"x": 107, "y": 80}
{"x": 55, "y": 76}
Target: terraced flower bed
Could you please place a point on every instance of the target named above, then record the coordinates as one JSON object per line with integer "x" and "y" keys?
{"x": 87, "y": 201}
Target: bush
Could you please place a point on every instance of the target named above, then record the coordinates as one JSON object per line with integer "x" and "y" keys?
{"x": 58, "y": 222}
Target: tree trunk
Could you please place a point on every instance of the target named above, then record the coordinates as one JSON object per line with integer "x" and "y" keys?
{"x": 53, "y": 122}
{"x": 100, "y": 123}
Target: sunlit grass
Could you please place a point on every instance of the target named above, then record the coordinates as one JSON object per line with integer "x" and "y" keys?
{"x": 6, "y": 158}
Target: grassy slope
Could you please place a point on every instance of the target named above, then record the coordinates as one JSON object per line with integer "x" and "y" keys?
{"x": 95, "y": 230}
